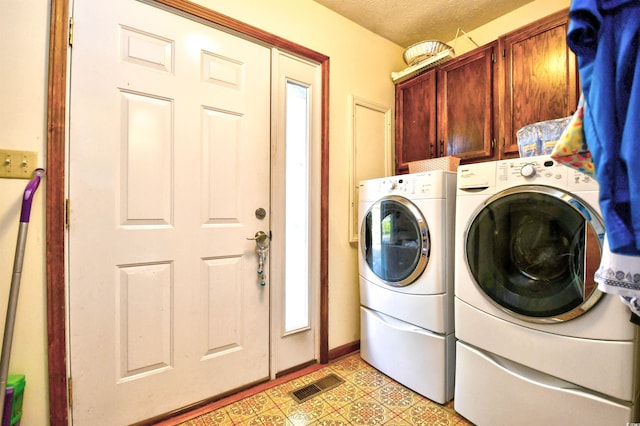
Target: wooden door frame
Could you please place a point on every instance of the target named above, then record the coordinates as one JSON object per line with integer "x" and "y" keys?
{"x": 56, "y": 177}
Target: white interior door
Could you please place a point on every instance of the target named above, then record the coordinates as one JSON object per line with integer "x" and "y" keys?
{"x": 168, "y": 163}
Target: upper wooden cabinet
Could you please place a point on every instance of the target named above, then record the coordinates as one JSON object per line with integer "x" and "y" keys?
{"x": 540, "y": 79}
{"x": 473, "y": 105}
{"x": 415, "y": 120}
{"x": 467, "y": 101}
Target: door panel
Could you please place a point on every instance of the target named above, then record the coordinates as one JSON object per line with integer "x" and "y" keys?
{"x": 541, "y": 81}
{"x": 416, "y": 130}
{"x": 295, "y": 249}
{"x": 466, "y": 105}
{"x": 169, "y": 132}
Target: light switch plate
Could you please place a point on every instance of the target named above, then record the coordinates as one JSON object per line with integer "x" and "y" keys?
{"x": 17, "y": 164}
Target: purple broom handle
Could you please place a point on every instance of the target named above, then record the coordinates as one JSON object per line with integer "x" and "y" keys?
{"x": 9, "y": 324}
{"x": 29, "y": 191}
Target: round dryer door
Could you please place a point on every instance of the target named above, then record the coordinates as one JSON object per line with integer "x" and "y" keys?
{"x": 394, "y": 240}
{"x": 533, "y": 250}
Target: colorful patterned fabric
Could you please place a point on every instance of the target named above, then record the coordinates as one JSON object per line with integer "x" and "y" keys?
{"x": 571, "y": 149}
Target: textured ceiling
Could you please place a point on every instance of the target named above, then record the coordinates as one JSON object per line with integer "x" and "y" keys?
{"x": 406, "y": 22}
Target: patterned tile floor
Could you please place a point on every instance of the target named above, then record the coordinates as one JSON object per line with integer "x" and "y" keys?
{"x": 367, "y": 397}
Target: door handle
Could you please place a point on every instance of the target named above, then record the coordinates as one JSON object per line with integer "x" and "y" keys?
{"x": 262, "y": 240}
{"x": 262, "y": 248}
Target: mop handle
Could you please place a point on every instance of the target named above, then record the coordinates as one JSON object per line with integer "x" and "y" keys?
{"x": 29, "y": 191}
{"x": 15, "y": 284}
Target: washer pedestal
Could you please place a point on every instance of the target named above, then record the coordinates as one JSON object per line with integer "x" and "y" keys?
{"x": 496, "y": 391}
{"x": 419, "y": 359}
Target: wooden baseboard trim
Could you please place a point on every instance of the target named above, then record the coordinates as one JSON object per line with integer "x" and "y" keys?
{"x": 343, "y": 350}
{"x": 296, "y": 369}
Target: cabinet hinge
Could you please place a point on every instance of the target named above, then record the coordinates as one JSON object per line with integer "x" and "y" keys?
{"x": 70, "y": 391}
{"x": 67, "y": 213}
{"x": 71, "y": 31}
{"x": 493, "y": 57}
{"x": 504, "y": 53}
{"x": 493, "y": 144}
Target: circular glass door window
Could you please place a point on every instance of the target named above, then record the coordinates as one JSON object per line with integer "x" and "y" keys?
{"x": 534, "y": 250}
{"x": 395, "y": 241}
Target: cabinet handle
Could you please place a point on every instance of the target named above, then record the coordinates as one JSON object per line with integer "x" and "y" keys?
{"x": 431, "y": 153}
{"x": 442, "y": 153}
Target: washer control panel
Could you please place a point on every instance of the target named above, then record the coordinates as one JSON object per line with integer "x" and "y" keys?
{"x": 522, "y": 171}
{"x": 542, "y": 170}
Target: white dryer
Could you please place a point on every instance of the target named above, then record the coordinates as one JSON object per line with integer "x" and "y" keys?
{"x": 406, "y": 279}
{"x": 538, "y": 343}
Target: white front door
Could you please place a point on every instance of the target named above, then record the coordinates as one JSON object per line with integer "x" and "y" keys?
{"x": 168, "y": 165}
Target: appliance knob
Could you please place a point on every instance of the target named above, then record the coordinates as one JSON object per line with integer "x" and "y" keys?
{"x": 393, "y": 185}
{"x": 528, "y": 170}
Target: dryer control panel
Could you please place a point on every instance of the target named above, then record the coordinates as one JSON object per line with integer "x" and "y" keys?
{"x": 432, "y": 184}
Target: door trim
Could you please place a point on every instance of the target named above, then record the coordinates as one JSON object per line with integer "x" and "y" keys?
{"x": 56, "y": 175}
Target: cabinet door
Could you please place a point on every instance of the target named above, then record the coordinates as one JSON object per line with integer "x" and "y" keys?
{"x": 466, "y": 99}
{"x": 415, "y": 120}
{"x": 540, "y": 77}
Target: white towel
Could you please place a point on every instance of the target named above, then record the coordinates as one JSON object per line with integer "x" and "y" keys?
{"x": 619, "y": 274}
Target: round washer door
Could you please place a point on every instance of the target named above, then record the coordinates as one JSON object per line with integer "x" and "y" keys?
{"x": 394, "y": 240}
{"x": 533, "y": 250}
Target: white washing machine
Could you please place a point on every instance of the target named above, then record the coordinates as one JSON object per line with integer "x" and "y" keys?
{"x": 538, "y": 343}
{"x": 406, "y": 279}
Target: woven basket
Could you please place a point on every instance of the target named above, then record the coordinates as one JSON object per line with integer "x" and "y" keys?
{"x": 448, "y": 163}
{"x": 418, "y": 52}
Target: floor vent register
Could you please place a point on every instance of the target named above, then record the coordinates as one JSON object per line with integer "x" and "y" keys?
{"x": 309, "y": 391}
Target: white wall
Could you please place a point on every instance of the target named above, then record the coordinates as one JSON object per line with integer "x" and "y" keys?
{"x": 361, "y": 63}
{"x": 23, "y": 87}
